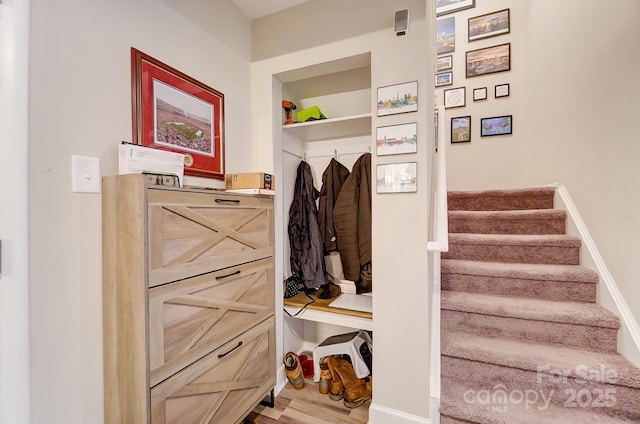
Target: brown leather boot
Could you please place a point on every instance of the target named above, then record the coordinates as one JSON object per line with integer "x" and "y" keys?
{"x": 325, "y": 377}
{"x": 293, "y": 370}
{"x": 365, "y": 282}
{"x": 356, "y": 390}
{"x": 336, "y": 388}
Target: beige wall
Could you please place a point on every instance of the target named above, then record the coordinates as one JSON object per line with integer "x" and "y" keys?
{"x": 81, "y": 104}
{"x": 487, "y": 161}
{"x": 573, "y": 81}
{"x": 14, "y": 275}
{"x": 582, "y": 117}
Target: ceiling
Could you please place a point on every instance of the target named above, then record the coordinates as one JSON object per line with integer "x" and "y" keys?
{"x": 255, "y": 9}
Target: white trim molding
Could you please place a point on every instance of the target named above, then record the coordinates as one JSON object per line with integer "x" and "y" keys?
{"x": 382, "y": 415}
{"x": 609, "y": 294}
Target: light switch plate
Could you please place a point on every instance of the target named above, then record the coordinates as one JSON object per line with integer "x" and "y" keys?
{"x": 85, "y": 174}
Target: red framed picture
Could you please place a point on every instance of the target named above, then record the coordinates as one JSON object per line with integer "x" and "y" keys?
{"x": 174, "y": 112}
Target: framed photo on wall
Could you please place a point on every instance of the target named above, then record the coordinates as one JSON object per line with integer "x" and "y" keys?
{"x": 444, "y": 7}
{"x": 445, "y": 78}
{"x": 396, "y": 178}
{"x": 398, "y": 98}
{"x": 455, "y": 97}
{"x": 489, "y": 25}
{"x": 461, "y": 129}
{"x": 445, "y": 35}
{"x": 488, "y": 60}
{"x": 479, "y": 94}
{"x": 397, "y": 139}
{"x": 502, "y": 90}
{"x": 174, "y": 112}
{"x": 497, "y": 125}
{"x": 444, "y": 63}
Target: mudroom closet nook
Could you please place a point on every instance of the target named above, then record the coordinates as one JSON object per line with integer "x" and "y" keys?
{"x": 341, "y": 90}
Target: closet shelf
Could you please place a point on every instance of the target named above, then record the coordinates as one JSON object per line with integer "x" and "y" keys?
{"x": 331, "y": 128}
{"x": 320, "y": 311}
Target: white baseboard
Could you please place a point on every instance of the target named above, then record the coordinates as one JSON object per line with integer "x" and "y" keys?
{"x": 382, "y": 415}
{"x": 609, "y": 294}
{"x": 281, "y": 380}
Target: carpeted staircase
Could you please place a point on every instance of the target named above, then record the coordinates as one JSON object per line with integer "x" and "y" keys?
{"x": 523, "y": 340}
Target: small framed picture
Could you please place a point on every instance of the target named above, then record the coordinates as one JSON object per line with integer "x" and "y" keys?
{"x": 397, "y": 139}
{"x": 445, "y": 78}
{"x": 444, "y": 7}
{"x": 461, "y": 129}
{"x": 444, "y": 63}
{"x": 488, "y": 60}
{"x": 454, "y": 97}
{"x": 489, "y": 25}
{"x": 497, "y": 125}
{"x": 502, "y": 90}
{"x": 398, "y": 98}
{"x": 445, "y": 35}
{"x": 396, "y": 178}
{"x": 479, "y": 94}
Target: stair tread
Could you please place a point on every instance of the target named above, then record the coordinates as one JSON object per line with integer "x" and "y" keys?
{"x": 509, "y": 214}
{"x": 574, "y": 273}
{"x": 523, "y": 413}
{"x": 509, "y": 199}
{"x": 515, "y": 239}
{"x": 525, "y": 355}
{"x": 503, "y": 192}
{"x": 587, "y": 314}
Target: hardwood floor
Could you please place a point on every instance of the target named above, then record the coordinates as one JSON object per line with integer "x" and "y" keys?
{"x": 307, "y": 406}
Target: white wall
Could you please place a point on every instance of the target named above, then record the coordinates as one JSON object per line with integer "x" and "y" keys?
{"x": 400, "y": 306}
{"x": 80, "y": 104}
{"x": 588, "y": 140}
{"x": 488, "y": 161}
{"x": 573, "y": 85}
{"x": 14, "y": 276}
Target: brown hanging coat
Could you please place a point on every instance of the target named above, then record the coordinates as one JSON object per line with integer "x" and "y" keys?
{"x": 352, "y": 216}
{"x": 332, "y": 180}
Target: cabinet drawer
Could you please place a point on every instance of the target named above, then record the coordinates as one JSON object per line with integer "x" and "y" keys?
{"x": 189, "y": 318}
{"x": 221, "y": 387}
{"x": 192, "y": 233}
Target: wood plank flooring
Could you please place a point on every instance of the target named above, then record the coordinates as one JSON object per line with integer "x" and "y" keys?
{"x": 307, "y": 406}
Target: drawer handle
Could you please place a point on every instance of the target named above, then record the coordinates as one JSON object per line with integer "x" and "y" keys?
{"x": 222, "y": 277}
{"x": 222, "y": 355}
{"x": 227, "y": 201}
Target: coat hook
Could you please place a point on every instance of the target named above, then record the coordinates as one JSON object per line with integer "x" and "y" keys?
{"x": 335, "y": 154}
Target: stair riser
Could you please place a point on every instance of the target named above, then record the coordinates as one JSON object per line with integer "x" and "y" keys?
{"x": 507, "y": 226}
{"x": 556, "y": 255}
{"x": 489, "y": 379}
{"x": 500, "y": 203}
{"x": 594, "y": 338}
{"x": 449, "y": 420}
{"x": 537, "y": 289}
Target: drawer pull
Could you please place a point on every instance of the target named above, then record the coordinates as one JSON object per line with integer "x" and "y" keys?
{"x": 227, "y": 201}
{"x": 222, "y": 277}
{"x": 222, "y": 355}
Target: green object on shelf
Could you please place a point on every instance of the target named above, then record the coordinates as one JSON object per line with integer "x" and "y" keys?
{"x": 310, "y": 114}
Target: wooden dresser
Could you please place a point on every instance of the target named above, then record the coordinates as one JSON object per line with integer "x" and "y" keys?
{"x": 188, "y": 303}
